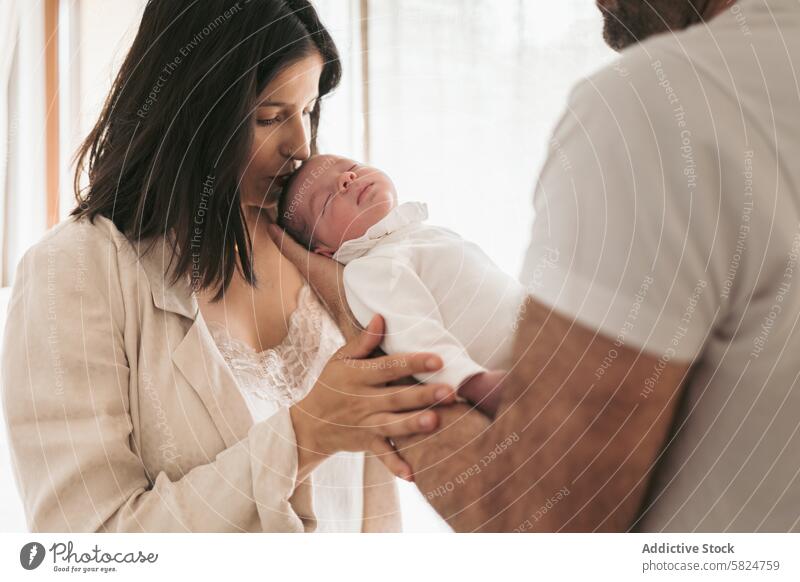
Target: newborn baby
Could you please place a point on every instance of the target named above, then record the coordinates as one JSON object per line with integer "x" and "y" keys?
{"x": 437, "y": 292}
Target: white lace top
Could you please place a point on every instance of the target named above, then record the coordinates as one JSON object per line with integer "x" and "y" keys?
{"x": 280, "y": 376}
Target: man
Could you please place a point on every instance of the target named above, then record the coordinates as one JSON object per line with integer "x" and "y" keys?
{"x": 655, "y": 385}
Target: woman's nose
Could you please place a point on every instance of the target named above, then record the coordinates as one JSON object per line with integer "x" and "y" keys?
{"x": 296, "y": 143}
{"x": 345, "y": 179}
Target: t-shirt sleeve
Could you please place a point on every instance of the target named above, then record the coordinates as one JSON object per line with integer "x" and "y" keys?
{"x": 623, "y": 232}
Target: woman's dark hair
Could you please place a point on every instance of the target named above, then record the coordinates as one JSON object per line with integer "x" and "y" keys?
{"x": 174, "y": 135}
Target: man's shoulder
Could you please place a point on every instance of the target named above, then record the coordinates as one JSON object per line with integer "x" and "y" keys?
{"x": 687, "y": 57}
{"x": 638, "y": 93}
{"x": 637, "y": 67}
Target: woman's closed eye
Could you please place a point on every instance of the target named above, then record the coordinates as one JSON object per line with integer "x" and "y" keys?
{"x": 267, "y": 121}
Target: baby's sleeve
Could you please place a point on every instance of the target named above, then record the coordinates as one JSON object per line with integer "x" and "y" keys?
{"x": 392, "y": 288}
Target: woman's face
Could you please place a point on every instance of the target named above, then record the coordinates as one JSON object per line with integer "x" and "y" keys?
{"x": 281, "y": 129}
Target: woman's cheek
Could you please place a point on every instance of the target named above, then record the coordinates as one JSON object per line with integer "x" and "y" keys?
{"x": 261, "y": 139}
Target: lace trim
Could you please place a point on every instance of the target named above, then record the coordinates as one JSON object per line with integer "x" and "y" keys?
{"x": 284, "y": 373}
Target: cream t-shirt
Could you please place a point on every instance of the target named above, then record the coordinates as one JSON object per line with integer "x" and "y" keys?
{"x": 668, "y": 218}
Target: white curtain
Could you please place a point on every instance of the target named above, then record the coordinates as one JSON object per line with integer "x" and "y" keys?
{"x": 25, "y": 204}
{"x": 464, "y": 95}
{"x": 8, "y": 126}
{"x": 341, "y": 128}
{"x": 11, "y": 516}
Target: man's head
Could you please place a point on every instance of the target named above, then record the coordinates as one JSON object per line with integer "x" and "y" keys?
{"x": 330, "y": 200}
{"x": 631, "y": 21}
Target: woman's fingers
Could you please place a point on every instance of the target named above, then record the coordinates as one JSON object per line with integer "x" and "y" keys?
{"x": 386, "y": 369}
{"x": 402, "y": 398}
{"x": 364, "y": 343}
{"x": 389, "y": 424}
{"x": 391, "y": 458}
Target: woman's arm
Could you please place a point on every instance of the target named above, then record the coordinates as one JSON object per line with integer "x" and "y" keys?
{"x": 325, "y": 276}
{"x": 66, "y": 398}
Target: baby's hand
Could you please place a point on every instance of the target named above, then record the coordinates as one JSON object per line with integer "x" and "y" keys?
{"x": 483, "y": 390}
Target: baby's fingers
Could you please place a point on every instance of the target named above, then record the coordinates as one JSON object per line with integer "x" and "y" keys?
{"x": 391, "y": 459}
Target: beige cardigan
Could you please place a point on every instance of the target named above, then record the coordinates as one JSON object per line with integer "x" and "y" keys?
{"x": 122, "y": 414}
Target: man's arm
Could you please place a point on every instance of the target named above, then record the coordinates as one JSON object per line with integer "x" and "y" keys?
{"x": 574, "y": 442}
{"x": 563, "y": 433}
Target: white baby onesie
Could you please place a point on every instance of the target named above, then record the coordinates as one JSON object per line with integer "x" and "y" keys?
{"x": 436, "y": 291}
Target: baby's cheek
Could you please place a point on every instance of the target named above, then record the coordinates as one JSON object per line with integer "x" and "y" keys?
{"x": 350, "y": 229}
{"x": 330, "y": 228}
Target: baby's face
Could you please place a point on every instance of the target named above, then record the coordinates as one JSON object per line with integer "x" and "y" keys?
{"x": 338, "y": 199}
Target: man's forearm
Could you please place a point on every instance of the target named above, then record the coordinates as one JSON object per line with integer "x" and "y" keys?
{"x": 442, "y": 463}
{"x": 567, "y": 451}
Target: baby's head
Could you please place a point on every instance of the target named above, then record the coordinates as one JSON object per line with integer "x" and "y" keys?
{"x": 330, "y": 200}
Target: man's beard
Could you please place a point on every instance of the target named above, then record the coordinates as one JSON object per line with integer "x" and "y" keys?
{"x": 630, "y": 21}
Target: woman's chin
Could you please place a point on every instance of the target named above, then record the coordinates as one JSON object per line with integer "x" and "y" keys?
{"x": 264, "y": 197}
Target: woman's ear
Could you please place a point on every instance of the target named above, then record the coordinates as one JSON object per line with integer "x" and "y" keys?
{"x": 324, "y": 251}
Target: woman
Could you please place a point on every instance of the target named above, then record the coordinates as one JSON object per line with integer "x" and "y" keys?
{"x": 165, "y": 367}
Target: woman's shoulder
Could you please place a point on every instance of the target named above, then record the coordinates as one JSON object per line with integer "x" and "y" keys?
{"x": 79, "y": 238}
{"x": 78, "y": 245}
{"x": 77, "y": 232}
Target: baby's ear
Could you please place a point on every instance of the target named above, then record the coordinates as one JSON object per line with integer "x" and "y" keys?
{"x": 324, "y": 251}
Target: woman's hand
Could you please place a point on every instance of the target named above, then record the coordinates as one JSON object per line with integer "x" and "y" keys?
{"x": 325, "y": 277}
{"x": 351, "y": 409}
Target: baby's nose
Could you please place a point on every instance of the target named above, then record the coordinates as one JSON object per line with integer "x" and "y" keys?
{"x": 346, "y": 179}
